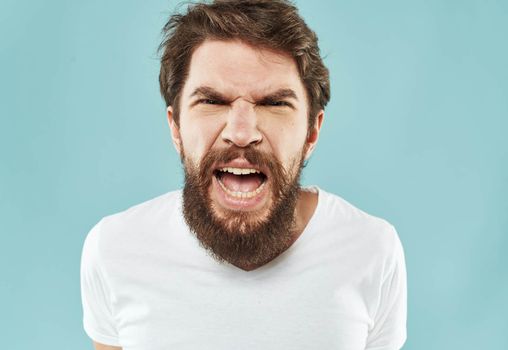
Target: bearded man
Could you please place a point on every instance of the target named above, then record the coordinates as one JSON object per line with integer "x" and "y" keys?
{"x": 243, "y": 257}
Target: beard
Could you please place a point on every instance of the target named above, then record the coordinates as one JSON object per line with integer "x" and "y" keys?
{"x": 243, "y": 238}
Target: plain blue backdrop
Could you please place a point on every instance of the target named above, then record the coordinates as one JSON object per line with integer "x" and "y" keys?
{"x": 415, "y": 133}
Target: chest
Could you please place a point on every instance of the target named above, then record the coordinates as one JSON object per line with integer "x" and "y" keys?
{"x": 186, "y": 308}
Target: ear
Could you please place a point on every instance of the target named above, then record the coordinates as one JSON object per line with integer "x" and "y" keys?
{"x": 175, "y": 130}
{"x": 313, "y": 134}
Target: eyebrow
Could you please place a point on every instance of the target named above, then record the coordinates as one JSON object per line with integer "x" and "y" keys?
{"x": 209, "y": 92}
{"x": 280, "y": 95}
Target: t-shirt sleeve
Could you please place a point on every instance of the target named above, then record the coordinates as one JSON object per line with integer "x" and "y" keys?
{"x": 389, "y": 329}
{"x": 96, "y": 295}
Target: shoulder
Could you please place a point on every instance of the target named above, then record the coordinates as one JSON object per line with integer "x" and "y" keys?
{"x": 122, "y": 227}
{"x": 346, "y": 222}
{"x": 146, "y": 212}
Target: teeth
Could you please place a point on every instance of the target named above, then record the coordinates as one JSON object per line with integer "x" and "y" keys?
{"x": 242, "y": 194}
{"x": 240, "y": 171}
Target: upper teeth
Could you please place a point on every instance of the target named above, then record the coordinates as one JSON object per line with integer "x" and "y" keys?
{"x": 240, "y": 171}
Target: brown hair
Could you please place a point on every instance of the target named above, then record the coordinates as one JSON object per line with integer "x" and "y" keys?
{"x": 270, "y": 24}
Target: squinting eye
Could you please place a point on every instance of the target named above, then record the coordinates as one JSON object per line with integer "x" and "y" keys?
{"x": 275, "y": 103}
{"x": 209, "y": 101}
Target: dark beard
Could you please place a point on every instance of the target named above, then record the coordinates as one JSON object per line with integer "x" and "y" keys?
{"x": 241, "y": 238}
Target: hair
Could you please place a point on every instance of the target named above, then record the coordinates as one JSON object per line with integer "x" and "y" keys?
{"x": 267, "y": 24}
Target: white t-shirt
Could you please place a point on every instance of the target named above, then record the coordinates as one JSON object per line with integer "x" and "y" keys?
{"x": 147, "y": 284}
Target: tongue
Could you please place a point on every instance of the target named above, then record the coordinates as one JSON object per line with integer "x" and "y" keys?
{"x": 241, "y": 183}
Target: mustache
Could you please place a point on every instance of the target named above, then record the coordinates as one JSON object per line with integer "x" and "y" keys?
{"x": 254, "y": 156}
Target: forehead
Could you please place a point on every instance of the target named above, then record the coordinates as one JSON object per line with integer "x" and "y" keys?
{"x": 237, "y": 68}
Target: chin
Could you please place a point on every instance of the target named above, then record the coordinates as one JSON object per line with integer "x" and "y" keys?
{"x": 241, "y": 221}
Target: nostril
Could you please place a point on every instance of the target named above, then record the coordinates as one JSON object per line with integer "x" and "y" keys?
{"x": 256, "y": 141}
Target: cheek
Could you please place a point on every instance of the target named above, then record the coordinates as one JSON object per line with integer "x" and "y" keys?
{"x": 198, "y": 138}
{"x": 287, "y": 143}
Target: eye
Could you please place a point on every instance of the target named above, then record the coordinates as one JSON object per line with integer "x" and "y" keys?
{"x": 275, "y": 103}
{"x": 210, "y": 101}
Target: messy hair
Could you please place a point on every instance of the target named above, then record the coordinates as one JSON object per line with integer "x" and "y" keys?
{"x": 268, "y": 24}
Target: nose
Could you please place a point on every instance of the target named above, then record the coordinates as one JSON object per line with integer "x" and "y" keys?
{"x": 241, "y": 127}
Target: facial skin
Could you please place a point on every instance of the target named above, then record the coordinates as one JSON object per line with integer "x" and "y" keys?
{"x": 244, "y": 109}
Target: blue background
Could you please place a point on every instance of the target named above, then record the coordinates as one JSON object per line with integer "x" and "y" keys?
{"x": 415, "y": 133}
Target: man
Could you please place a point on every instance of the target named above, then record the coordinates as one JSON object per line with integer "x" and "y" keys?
{"x": 243, "y": 257}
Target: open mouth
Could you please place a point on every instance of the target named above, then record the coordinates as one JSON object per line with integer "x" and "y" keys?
{"x": 240, "y": 182}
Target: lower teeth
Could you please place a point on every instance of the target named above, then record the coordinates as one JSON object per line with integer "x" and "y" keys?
{"x": 242, "y": 194}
